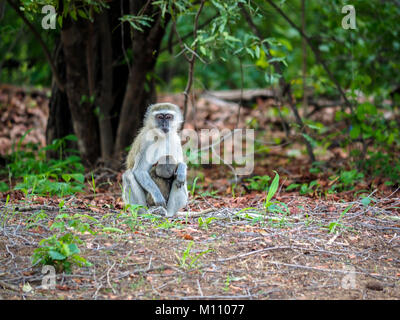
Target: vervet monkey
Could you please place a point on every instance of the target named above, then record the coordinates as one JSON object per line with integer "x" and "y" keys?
{"x": 163, "y": 174}
{"x": 157, "y": 139}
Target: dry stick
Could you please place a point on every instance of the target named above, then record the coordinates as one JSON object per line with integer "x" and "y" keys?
{"x": 60, "y": 84}
{"x": 328, "y": 270}
{"x": 32, "y": 208}
{"x": 144, "y": 8}
{"x": 199, "y": 287}
{"x": 195, "y": 214}
{"x": 285, "y": 87}
{"x": 108, "y": 277}
{"x": 8, "y": 286}
{"x": 253, "y": 252}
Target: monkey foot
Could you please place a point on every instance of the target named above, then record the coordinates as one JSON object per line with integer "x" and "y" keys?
{"x": 158, "y": 211}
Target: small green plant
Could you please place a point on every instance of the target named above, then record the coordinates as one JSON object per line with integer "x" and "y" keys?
{"x": 271, "y": 191}
{"x": 93, "y": 186}
{"x": 167, "y": 224}
{"x": 227, "y": 283}
{"x": 189, "y": 261}
{"x": 64, "y": 221}
{"x": 305, "y": 188}
{"x": 44, "y": 176}
{"x": 203, "y": 223}
{"x": 258, "y": 183}
{"x": 3, "y": 186}
{"x": 193, "y": 187}
{"x": 5, "y": 213}
{"x": 280, "y": 210}
{"x": 60, "y": 251}
{"x": 212, "y": 194}
{"x": 34, "y": 219}
{"x": 233, "y": 190}
{"x": 333, "y": 226}
{"x": 129, "y": 216}
{"x": 345, "y": 180}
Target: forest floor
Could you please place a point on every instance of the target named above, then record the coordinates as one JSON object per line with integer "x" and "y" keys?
{"x": 340, "y": 245}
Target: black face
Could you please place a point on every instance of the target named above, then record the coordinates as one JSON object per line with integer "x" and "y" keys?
{"x": 164, "y": 121}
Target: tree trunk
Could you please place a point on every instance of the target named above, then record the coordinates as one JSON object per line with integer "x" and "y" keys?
{"x": 105, "y": 101}
{"x": 59, "y": 123}
{"x": 74, "y": 37}
{"x": 140, "y": 91}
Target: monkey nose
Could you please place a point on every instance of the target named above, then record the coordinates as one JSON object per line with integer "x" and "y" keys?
{"x": 165, "y": 130}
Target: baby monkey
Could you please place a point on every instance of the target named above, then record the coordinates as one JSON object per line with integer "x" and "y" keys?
{"x": 163, "y": 174}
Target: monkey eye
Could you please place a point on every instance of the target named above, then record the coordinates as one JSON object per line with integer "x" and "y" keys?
{"x": 159, "y": 116}
{"x": 168, "y": 116}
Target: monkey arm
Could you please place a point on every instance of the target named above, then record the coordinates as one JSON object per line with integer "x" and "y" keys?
{"x": 145, "y": 181}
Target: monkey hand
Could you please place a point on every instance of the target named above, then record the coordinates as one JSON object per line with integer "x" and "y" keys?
{"x": 180, "y": 175}
{"x": 159, "y": 201}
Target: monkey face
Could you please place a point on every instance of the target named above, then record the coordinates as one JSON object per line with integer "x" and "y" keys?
{"x": 164, "y": 121}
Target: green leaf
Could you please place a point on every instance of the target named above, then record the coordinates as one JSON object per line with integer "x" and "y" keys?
{"x": 82, "y": 14}
{"x": 73, "y": 15}
{"x": 66, "y": 177}
{"x": 55, "y": 255}
{"x": 292, "y": 186}
{"x": 355, "y": 131}
{"x": 78, "y": 177}
{"x": 273, "y": 188}
{"x": 110, "y": 229}
{"x": 310, "y": 140}
{"x": 366, "y": 201}
{"x": 73, "y": 248}
{"x": 3, "y": 186}
{"x": 71, "y": 137}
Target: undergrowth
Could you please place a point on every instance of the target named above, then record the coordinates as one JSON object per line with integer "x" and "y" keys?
{"x": 35, "y": 174}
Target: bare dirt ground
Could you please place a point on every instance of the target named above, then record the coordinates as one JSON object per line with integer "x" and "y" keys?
{"x": 238, "y": 255}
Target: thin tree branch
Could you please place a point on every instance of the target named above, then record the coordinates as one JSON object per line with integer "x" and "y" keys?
{"x": 47, "y": 54}
{"x": 285, "y": 87}
{"x": 191, "y": 60}
{"x": 316, "y": 53}
{"x": 183, "y": 38}
{"x": 241, "y": 93}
